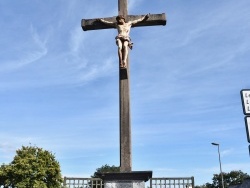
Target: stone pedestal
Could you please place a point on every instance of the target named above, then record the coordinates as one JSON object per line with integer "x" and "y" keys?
{"x": 135, "y": 179}
{"x": 124, "y": 184}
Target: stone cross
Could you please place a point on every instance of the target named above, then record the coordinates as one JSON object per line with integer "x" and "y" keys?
{"x": 124, "y": 94}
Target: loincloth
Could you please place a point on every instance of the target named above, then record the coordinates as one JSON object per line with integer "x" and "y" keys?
{"x": 125, "y": 38}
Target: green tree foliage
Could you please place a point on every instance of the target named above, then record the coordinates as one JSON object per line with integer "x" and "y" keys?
{"x": 231, "y": 178}
{"x": 105, "y": 169}
{"x": 5, "y": 175}
{"x": 32, "y": 167}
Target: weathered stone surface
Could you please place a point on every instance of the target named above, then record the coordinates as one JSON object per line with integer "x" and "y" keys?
{"x": 125, "y": 122}
{"x": 123, "y": 7}
{"x": 154, "y": 20}
{"x": 124, "y": 184}
{"x": 126, "y": 176}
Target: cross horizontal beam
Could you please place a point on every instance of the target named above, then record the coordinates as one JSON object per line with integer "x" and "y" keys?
{"x": 154, "y": 19}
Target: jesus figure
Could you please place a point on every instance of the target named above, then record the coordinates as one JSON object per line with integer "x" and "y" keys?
{"x": 123, "y": 40}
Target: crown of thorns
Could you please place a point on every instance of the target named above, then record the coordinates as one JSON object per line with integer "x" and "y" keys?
{"x": 120, "y": 17}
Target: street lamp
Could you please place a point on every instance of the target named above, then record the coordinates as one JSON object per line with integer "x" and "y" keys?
{"x": 215, "y": 144}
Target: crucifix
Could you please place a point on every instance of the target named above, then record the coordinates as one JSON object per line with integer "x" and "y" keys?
{"x": 123, "y": 22}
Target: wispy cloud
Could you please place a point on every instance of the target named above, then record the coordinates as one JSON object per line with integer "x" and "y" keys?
{"x": 76, "y": 42}
{"x": 97, "y": 71}
{"x": 27, "y": 53}
{"x": 132, "y": 4}
{"x": 9, "y": 147}
{"x": 227, "y": 167}
{"x": 6, "y": 151}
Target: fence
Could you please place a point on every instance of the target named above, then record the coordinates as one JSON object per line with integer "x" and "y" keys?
{"x": 82, "y": 183}
{"x": 186, "y": 182}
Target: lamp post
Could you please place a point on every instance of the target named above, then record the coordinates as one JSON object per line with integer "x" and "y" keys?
{"x": 215, "y": 144}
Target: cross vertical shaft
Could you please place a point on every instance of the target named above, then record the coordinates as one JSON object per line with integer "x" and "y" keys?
{"x": 124, "y": 75}
{"x": 125, "y": 122}
{"x": 123, "y": 7}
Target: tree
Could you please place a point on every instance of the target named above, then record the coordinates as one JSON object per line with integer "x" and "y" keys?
{"x": 207, "y": 185}
{"x": 4, "y": 174}
{"x": 105, "y": 169}
{"x": 235, "y": 177}
{"x": 231, "y": 178}
{"x": 32, "y": 167}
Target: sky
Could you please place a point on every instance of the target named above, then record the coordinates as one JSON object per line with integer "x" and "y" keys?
{"x": 59, "y": 86}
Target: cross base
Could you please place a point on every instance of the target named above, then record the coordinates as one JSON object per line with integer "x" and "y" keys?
{"x": 124, "y": 184}
{"x": 134, "y": 179}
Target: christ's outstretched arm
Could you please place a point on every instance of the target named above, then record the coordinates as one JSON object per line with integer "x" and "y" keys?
{"x": 107, "y": 22}
{"x": 144, "y": 18}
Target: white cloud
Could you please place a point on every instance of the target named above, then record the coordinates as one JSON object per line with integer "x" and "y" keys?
{"x": 93, "y": 72}
{"x": 9, "y": 146}
{"x": 26, "y": 53}
{"x": 76, "y": 40}
{"x": 132, "y": 4}
{"x": 6, "y": 151}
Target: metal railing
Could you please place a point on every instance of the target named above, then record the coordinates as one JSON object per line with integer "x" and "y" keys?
{"x": 181, "y": 182}
{"x": 82, "y": 183}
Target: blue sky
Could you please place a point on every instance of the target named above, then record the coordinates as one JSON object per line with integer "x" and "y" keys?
{"x": 59, "y": 85}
